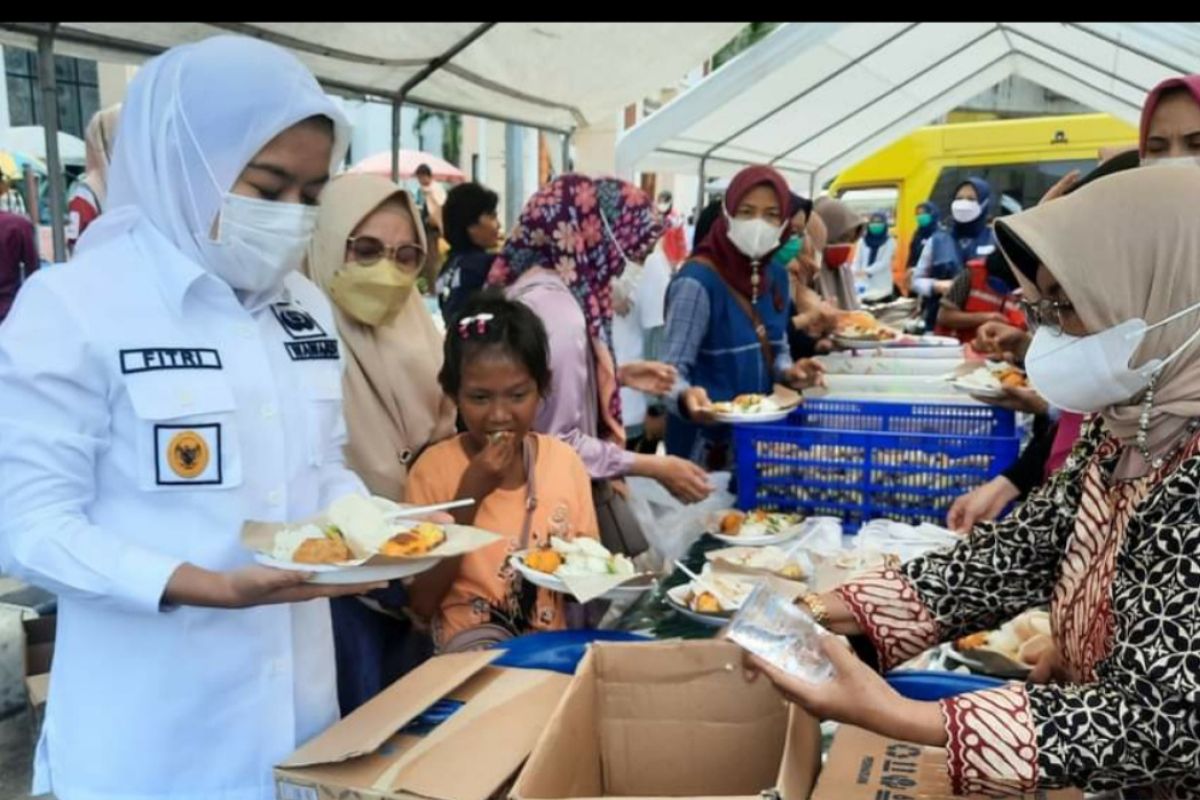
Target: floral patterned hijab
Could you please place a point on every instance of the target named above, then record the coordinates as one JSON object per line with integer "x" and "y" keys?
{"x": 586, "y": 230}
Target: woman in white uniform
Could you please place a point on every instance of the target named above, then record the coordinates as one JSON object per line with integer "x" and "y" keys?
{"x": 175, "y": 379}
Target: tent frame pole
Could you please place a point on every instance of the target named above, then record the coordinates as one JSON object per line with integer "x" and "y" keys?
{"x": 410, "y": 84}
{"x": 49, "y": 87}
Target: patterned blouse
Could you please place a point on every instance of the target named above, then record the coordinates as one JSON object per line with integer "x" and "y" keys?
{"x": 1119, "y": 565}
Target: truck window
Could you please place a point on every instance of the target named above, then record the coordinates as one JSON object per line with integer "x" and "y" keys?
{"x": 1024, "y": 183}
{"x": 867, "y": 201}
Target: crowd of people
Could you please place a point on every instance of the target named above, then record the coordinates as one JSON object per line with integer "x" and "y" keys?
{"x": 229, "y": 287}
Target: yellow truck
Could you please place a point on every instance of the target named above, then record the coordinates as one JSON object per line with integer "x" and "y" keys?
{"x": 1020, "y": 158}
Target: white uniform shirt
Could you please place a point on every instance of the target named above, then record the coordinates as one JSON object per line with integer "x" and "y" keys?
{"x": 144, "y": 415}
{"x": 629, "y": 331}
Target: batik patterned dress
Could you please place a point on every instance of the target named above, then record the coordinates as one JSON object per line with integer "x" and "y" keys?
{"x": 1118, "y": 562}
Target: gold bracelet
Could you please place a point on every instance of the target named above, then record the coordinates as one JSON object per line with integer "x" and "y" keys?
{"x": 816, "y": 607}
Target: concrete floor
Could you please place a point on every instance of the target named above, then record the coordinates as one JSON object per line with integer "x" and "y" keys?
{"x": 17, "y": 601}
{"x": 16, "y": 757}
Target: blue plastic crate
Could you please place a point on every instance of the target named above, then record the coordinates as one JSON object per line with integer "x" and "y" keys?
{"x": 863, "y": 461}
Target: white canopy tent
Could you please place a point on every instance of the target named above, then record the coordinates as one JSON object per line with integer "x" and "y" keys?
{"x": 550, "y": 75}
{"x": 812, "y": 98}
{"x": 31, "y": 141}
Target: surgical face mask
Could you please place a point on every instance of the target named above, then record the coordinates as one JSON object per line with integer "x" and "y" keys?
{"x": 837, "y": 255}
{"x": 965, "y": 211}
{"x": 630, "y": 266}
{"x": 1175, "y": 161}
{"x": 664, "y": 208}
{"x": 876, "y": 228}
{"x": 258, "y": 242}
{"x": 753, "y": 237}
{"x": 1085, "y": 374}
{"x": 923, "y": 220}
{"x": 372, "y": 295}
{"x": 789, "y": 250}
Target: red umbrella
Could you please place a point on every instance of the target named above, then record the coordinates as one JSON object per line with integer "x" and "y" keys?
{"x": 381, "y": 164}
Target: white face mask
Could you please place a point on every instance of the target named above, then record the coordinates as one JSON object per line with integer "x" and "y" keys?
{"x": 1176, "y": 161}
{"x": 754, "y": 237}
{"x": 258, "y": 241}
{"x": 631, "y": 267}
{"x": 664, "y": 208}
{"x": 965, "y": 211}
{"x": 1085, "y": 374}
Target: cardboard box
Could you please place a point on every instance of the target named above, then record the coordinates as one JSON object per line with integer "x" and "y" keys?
{"x": 39, "y": 653}
{"x": 671, "y": 719}
{"x": 470, "y": 756}
{"x": 865, "y": 766}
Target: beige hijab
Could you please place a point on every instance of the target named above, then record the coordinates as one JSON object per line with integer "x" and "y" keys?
{"x": 839, "y": 219}
{"x": 1123, "y": 247}
{"x": 393, "y": 403}
{"x": 100, "y": 138}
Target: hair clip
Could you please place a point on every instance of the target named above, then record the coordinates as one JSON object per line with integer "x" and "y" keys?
{"x": 480, "y": 322}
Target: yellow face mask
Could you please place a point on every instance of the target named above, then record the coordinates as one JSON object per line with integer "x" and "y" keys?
{"x": 372, "y": 295}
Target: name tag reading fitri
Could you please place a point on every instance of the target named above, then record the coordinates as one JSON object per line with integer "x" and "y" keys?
{"x": 148, "y": 359}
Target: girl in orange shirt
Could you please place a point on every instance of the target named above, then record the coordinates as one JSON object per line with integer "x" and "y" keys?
{"x": 526, "y": 486}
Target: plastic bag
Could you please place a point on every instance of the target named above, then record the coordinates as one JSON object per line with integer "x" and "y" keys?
{"x": 671, "y": 526}
{"x": 905, "y": 541}
{"x": 772, "y": 627}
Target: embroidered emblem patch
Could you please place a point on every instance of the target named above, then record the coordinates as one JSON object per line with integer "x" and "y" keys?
{"x": 188, "y": 454}
{"x": 296, "y": 322}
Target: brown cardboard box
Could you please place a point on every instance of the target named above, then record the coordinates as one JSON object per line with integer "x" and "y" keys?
{"x": 865, "y": 766}
{"x": 39, "y": 652}
{"x": 470, "y": 756}
{"x": 671, "y": 719}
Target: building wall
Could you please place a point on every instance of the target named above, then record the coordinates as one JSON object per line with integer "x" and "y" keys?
{"x": 114, "y": 81}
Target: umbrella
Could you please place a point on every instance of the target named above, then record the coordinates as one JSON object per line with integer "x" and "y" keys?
{"x": 381, "y": 164}
{"x": 12, "y": 164}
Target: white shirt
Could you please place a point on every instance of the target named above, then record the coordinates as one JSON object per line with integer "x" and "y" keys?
{"x": 629, "y": 332}
{"x": 873, "y": 279}
{"x": 144, "y": 415}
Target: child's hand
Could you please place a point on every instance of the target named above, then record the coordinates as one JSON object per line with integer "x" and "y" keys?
{"x": 489, "y": 466}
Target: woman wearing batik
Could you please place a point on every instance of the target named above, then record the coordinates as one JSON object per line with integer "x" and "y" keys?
{"x": 1111, "y": 543}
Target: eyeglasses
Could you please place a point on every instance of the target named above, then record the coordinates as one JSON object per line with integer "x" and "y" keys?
{"x": 1045, "y": 312}
{"x": 367, "y": 250}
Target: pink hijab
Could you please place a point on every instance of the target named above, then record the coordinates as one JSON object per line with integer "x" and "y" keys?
{"x": 1189, "y": 82}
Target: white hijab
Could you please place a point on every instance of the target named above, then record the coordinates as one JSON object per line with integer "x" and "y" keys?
{"x": 192, "y": 119}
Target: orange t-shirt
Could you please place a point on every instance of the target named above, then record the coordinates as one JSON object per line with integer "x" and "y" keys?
{"x": 486, "y": 582}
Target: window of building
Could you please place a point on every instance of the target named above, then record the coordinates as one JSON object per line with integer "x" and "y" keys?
{"x": 78, "y": 90}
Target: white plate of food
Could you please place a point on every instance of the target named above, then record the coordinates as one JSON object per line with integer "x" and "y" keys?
{"x": 903, "y": 340}
{"x": 711, "y": 601}
{"x": 751, "y": 408}
{"x": 360, "y": 540}
{"x": 324, "y": 552}
{"x": 551, "y": 567}
{"x": 1010, "y": 651}
{"x": 990, "y": 380}
{"x": 756, "y": 528}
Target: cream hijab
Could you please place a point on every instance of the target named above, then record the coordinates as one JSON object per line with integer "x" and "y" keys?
{"x": 393, "y": 403}
{"x": 1126, "y": 246}
{"x": 99, "y": 137}
{"x": 839, "y": 219}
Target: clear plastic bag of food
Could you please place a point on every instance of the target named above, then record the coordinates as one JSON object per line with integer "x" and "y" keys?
{"x": 772, "y": 627}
